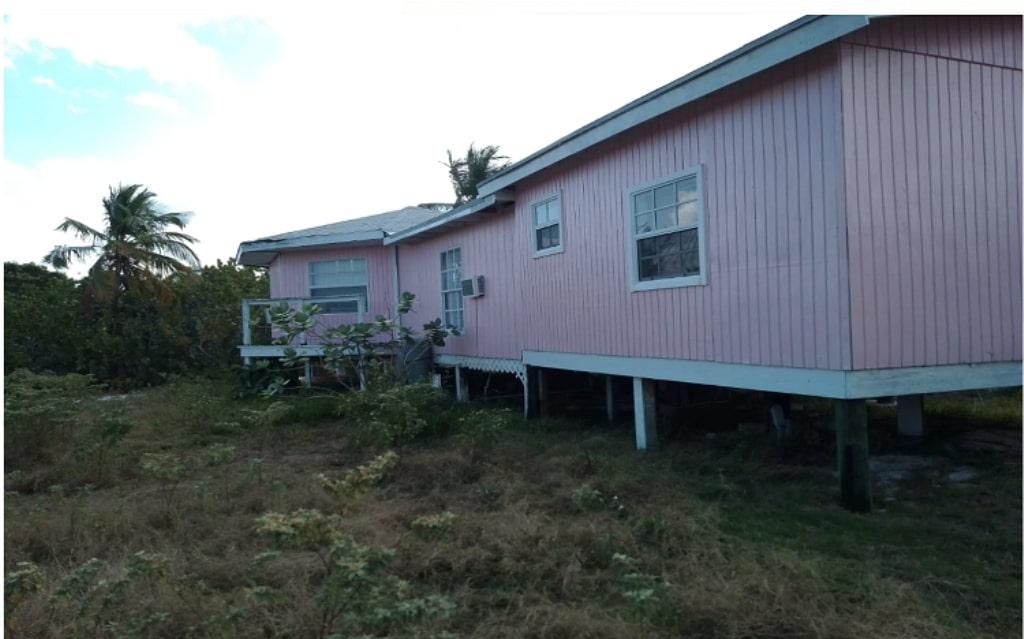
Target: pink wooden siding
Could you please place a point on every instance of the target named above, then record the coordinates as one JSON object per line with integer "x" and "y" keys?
{"x": 776, "y": 267}
{"x": 933, "y": 173}
{"x": 289, "y": 277}
{"x": 776, "y": 292}
{"x": 492, "y": 321}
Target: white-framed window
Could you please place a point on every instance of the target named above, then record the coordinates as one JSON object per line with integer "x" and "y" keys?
{"x": 666, "y": 232}
{"x": 340, "y": 278}
{"x": 546, "y": 226}
{"x": 452, "y": 313}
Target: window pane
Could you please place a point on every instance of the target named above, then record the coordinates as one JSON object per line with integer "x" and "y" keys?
{"x": 444, "y": 261}
{"x": 687, "y": 189}
{"x": 555, "y": 210}
{"x": 338, "y": 290}
{"x": 665, "y": 218}
{"x": 688, "y": 213}
{"x": 340, "y": 307}
{"x": 648, "y": 268}
{"x": 645, "y": 222}
{"x": 664, "y": 196}
{"x": 646, "y": 248}
{"x": 321, "y": 267}
{"x": 668, "y": 243}
{"x": 548, "y": 237}
{"x": 540, "y": 214}
{"x": 691, "y": 252}
{"x": 669, "y": 255}
{"x": 643, "y": 202}
{"x": 670, "y": 265}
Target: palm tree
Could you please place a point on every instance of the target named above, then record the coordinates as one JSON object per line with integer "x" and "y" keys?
{"x": 466, "y": 173}
{"x": 135, "y": 248}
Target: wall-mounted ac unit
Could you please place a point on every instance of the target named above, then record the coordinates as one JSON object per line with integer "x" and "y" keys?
{"x": 473, "y": 287}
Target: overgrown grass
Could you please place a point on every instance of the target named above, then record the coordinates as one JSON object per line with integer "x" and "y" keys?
{"x": 548, "y": 529}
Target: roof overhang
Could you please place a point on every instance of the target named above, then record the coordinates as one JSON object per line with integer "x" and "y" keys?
{"x": 767, "y": 51}
{"x": 467, "y": 213}
{"x": 263, "y": 252}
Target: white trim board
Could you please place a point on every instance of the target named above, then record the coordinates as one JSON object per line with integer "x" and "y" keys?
{"x": 797, "y": 381}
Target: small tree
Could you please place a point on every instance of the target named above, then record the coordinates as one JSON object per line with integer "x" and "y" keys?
{"x": 468, "y": 172}
{"x": 359, "y": 354}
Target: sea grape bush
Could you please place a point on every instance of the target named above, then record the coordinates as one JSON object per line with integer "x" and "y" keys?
{"x": 362, "y": 354}
{"x": 360, "y": 479}
{"x": 356, "y": 596}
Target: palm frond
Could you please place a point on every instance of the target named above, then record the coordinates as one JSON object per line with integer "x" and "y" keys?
{"x": 81, "y": 230}
{"x": 62, "y": 256}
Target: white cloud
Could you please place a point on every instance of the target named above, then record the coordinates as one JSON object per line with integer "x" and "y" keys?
{"x": 74, "y": 109}
{"x": 353, "y": 117}
{"x": 156, "y": 101}
{"x": 44, "y": 81}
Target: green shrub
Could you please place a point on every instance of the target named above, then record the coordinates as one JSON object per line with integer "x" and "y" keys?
{"x": 39, "y": 415}
{"x": 356, "y": 595}
{"x": 119, "y": 605}
{"x": 361, "y": 478}
{"x": 393, "y": 416}
{"x": 434, "y": 526}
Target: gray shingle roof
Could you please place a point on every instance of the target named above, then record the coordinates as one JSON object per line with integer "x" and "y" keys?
{"x": 390, "y": 222}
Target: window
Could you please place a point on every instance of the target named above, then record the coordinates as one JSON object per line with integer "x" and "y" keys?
{"x": 546, "y": 225}
{"x": 451, "y": 288}
{"x": 339, "y": 278}
{"x": 666, "y": 222}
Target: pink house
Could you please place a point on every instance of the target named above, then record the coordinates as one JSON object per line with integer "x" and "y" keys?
{"x": 832, "y": 210}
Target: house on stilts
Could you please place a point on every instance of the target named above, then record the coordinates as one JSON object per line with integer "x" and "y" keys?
{"x": 832, "y": 210}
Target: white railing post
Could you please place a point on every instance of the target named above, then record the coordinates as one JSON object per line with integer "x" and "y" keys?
{"x": 246, "y": 329}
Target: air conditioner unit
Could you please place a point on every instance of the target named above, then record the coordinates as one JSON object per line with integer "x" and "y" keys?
{"x": 473, "y": 287}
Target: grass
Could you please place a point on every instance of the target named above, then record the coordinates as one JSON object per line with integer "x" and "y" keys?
{"x": 553, "y": 528}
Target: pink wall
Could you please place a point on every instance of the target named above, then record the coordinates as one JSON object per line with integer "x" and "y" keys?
{"x": 776, "y": 291}
{"x": 289, "y": 277}
{"x": 922, "y": 150}
{"x": 933, "y": 174}
{"x": 492, "y": 322}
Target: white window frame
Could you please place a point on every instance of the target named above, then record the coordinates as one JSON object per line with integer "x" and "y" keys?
{"x": 700, "y": 279}
{"x": 458, "y": 289}
{"x": 361, "y": 305}
{"x": 534, "y": 228}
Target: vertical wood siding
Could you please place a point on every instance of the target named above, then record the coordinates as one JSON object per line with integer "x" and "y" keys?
{"x": 775, "y": 292}
{"x": 932, "y": 139}
{"x": 491, "y": 321}
{"x": 289, "y": 277}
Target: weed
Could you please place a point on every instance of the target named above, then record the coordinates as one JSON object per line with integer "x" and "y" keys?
{"x": 360, "y": 479}
{"x": 434, "y": 526}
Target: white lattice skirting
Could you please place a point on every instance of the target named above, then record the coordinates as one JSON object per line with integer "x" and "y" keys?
{"x": 486, "y": 364}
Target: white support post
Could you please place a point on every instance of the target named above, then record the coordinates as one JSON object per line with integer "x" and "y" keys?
{"x": 246, "y": 330}
{"x": 308, "y": 372}
{"x": 461, "y": 388}
{"x": 645, "y": 413}
{"x": 910, "y": 416}
{"x": 609, "y": 398}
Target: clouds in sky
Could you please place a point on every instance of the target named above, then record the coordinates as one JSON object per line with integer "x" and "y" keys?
{"x": 262, "y": 122}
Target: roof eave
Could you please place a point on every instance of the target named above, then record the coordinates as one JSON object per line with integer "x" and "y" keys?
{"x": 774, "y": 48}
{"x": 263, "y": 252}
{"x": 462, "y": 215}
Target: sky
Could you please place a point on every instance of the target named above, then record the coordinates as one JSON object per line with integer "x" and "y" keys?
{"x": 262, "y": 118}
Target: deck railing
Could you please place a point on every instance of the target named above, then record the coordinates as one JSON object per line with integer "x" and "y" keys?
{"x": 248, "y": 305}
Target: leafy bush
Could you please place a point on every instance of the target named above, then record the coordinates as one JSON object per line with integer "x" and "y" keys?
{"x": 433, "y": 526}
{"x": 587, "y": 498}
{"x": 39, "y": 415}
{"x": 357, "y": 597}
{"x": 119, "y": 605}
{"x": 361, "y": 478}
{"x": 392, "y": 416}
